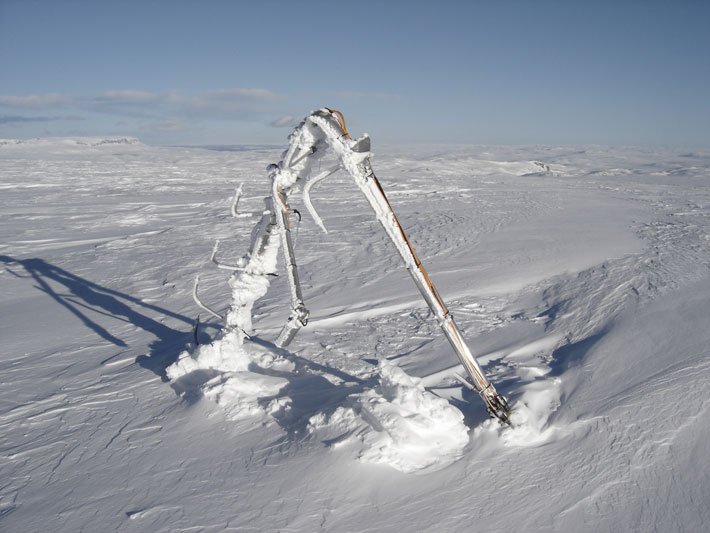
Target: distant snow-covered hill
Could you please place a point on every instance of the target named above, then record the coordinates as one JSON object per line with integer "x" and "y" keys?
{"x": 68, "y": 146}
{"x": 69, "y": 141}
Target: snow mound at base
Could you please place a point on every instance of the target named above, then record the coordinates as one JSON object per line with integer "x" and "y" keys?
{"x": 529, "y": 416}
{"x": 411, "y": 428}
{"x": 234, "y": 377}
{"x": 529, "y": 419}
{"x": 245, "y": 394}
{"x": 397, "y": 423}
{"x": 400, "y": 424}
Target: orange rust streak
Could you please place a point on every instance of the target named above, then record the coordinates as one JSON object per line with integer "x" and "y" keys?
{"x": 341, "y": 121}
{"x": 421, "y": 268}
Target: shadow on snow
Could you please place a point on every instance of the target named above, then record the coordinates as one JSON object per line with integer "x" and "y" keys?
{"x": 310, "y": 392}
{"x": 83, "y": 298}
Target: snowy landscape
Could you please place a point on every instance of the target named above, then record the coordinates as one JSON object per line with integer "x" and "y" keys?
{"x": 579, "y": 276}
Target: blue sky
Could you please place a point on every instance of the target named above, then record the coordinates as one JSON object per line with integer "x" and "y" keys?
{"x": 240, "y": 72}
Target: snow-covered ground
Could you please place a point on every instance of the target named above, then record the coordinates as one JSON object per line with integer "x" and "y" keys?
{"x": 579, "y": 276}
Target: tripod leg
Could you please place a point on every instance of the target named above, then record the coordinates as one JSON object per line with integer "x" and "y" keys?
{"x": 299, "y": 314}
{"x": 251, "y": 282}
{"x": 496, "y": 404}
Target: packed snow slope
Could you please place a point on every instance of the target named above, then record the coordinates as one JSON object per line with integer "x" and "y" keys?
{"x": 579, "y": 276}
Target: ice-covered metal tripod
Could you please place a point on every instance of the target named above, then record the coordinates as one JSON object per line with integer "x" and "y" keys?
{"x": 310, "y": 140}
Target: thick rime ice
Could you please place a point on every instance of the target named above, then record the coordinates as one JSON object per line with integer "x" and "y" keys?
{"x": 410, "y": 428}
{"x": 252, "y": 283}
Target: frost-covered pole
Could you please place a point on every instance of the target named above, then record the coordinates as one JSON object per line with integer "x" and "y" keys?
{"x": 354, "y": 155}
{"x": 296, "y": 163}
{"x": 251, "y": 281}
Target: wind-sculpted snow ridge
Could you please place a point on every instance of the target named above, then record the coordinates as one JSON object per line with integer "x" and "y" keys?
{"x": 530, "y": 417}
{"x": 579, "y": 310}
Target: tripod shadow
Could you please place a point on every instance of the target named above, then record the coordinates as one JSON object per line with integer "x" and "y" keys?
{"x": 83, "y": 298}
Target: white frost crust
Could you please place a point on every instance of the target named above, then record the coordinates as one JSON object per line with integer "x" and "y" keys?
{"x": 342, "y": 147}
{"x": 251, "y": 284}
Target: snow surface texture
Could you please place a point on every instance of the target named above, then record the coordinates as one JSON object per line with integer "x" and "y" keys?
{"x": 578, "y": 274}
